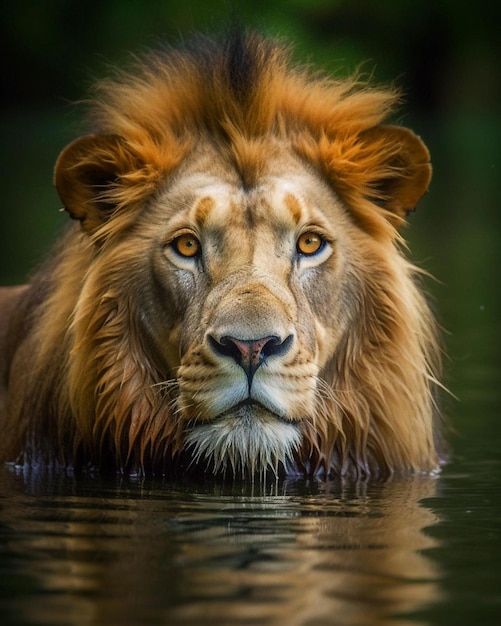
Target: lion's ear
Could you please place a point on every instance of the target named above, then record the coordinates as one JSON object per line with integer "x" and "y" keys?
{"x": 407, "y": 170}
{"x": 86, "y": 172}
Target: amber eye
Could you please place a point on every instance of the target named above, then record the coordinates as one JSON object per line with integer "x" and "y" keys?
{"x": 186, "y": 245}
{"x": 310, "y": 243}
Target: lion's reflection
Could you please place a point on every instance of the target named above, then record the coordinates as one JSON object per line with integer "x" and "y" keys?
{"x": 311, "y": 555}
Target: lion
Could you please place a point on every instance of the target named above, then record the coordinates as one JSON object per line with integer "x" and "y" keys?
{"x": 233, "y": 297}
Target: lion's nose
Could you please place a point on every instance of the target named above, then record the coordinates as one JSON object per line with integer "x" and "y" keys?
{"x": 250, "y": 354}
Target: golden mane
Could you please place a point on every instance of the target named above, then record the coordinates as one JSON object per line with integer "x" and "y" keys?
{"x": 240, "y": 93}
{"x": 91, "y": 393}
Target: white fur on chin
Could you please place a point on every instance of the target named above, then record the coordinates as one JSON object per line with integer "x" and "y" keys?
{"x": 248, "y": 440}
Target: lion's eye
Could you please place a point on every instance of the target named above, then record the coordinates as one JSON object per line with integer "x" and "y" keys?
{"x": 310, "y": 243}
{"x": 186, "y": 245}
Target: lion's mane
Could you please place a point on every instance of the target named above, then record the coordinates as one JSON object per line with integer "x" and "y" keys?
{"x": 84, "y": 389}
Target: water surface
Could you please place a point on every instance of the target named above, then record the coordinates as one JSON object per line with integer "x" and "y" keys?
{"x": 86, "y": 551}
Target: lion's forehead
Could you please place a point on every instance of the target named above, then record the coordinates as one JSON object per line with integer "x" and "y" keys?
{"x": 276, "y": 202}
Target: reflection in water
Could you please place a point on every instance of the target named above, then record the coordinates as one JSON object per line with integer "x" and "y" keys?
{"x": 91, "y": 552}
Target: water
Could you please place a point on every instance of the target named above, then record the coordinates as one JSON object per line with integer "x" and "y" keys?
{"x": 88, "y": 552}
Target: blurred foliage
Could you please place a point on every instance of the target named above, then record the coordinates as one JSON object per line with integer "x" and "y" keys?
{"x": 444, "y": 54}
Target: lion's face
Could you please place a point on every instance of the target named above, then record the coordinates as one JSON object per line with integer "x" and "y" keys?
{"x": 247, "y": 301}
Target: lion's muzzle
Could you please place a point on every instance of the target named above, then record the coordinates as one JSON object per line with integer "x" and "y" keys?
{"x": 247, "y": 382}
